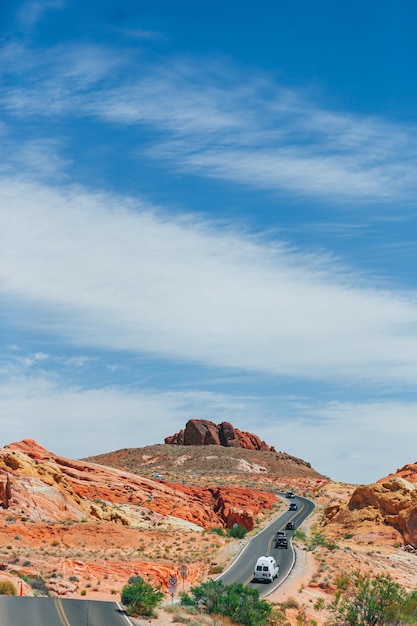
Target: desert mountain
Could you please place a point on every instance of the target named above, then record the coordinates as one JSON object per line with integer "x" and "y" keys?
{"x": 206, "y": 433}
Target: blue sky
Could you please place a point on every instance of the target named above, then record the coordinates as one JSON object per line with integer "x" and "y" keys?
{"x": 208, "y": 210}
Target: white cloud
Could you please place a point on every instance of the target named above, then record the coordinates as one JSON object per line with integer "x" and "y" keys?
{"x": 256, "y": 133}
{"x": 350, "y": 442}
{"x": 357, "y": 443}
{"x": 77, "y": 422}
{"x": 223, "y": 123}
{"x": 107, "y": 272}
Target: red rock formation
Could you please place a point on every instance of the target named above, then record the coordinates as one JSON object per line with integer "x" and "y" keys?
{"x": 206, "y": 433}
{"x": 43, "y": 486}
{"x": 390, "y": 502}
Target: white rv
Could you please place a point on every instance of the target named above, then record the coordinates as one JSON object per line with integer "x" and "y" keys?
{"x": 266, "y": 569}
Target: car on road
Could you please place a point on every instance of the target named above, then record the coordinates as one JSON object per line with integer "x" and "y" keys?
{"x": 293, "y": 506}
{"x": 289, "y": 494}
{"x": 266, "y": 569}
{"x": 280, "y": 539}
{"x": 290, "y": 526}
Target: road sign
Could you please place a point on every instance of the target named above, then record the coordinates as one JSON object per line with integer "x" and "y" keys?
{"x": 183, "y": 571}
{"x": 172, "y": 581}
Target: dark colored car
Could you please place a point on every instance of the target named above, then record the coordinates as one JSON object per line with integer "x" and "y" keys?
{"x": 293, "y": 506}
{"x": 280, "y": 539}
{"x": 289, "y": 494}
{"x": 290, "y": 526}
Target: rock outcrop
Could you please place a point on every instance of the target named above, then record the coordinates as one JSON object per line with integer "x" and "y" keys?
{"x": 42, "y": 486}
{"x": 388, "y": 507}
{"x": 206, "y": 433}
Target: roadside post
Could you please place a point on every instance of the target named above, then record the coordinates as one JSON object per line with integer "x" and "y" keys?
{"x": 183, "y": 574}
{"x": 172, "y": 587}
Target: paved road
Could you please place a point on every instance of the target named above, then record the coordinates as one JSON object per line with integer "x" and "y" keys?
{"x": 242, "y": 568}
{"x": 17, "y": 611}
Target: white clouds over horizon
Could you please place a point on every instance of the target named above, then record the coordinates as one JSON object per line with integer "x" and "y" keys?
{"x": 334, "y": 437}
{"x": 109, "y": 272}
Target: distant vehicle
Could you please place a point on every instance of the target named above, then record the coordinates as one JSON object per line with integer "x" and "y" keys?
{"x": 280, "y": 539}
{"x": 266, "y": 569}
{"x": 156, "y": 475}
{"x": 293, "y": 506}
{"x": 289, "y": 494}
{"x": 290, "y": 526}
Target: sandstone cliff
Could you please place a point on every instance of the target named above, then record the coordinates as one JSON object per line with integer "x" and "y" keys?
{"x": 386, "y": 508}
{"x": 206, "y": 433}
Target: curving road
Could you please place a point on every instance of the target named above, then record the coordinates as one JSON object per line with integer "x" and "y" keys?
{"x": 24, "y": 611}
{"x": 20, "y": 611}
{"x": 241, "y": 569}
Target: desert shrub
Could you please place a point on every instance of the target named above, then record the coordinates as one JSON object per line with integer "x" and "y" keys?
{"x": 241, "y": 604}
{"x": 290, "y": 603}
{"x": 38, "y": 584}
{"x": 7, "y": 588}
{"x": 374, "y": 601}
{"x": 319, "y": 539}
{"x": 278, "y": 618}
{"x": 140, "y": 598}
{"x": 299, "y": 534}
{"x": 217, "y": 531}
{"x": 237, "y": 532}
{"x": 134, "y": 579}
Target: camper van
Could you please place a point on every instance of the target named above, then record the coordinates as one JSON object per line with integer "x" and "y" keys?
{"x": 266, "y": 569}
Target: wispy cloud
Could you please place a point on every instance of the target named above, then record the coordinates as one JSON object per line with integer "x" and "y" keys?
{"x": 224, "y": 123}
{"x": 32, "y": 11}
{"x": 108, "y": 272}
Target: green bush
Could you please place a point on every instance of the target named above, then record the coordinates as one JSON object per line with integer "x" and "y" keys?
{"x": 140, "y": 598}
{"x": 237, "y": 532}
{"x": 374, "y": 601}
{"x": 241, "y": 604}
{"x": 299, "y": 534}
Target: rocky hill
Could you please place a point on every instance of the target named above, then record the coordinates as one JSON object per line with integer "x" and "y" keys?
{"x": 218, "y": 465}
{"x": 387, "y": 509}
{"x": 206, "y": 433}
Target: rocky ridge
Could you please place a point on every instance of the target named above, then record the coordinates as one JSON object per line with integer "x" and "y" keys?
{"x": 40, "y": 485}
{"x": 207, "y": 433}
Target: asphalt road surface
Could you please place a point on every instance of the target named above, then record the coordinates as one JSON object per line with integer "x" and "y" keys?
{"x": 20, "y": 611}
{"x": 242, "y": 568}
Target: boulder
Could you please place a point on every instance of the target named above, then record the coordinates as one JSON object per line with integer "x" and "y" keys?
{"x": 206, "y": 433}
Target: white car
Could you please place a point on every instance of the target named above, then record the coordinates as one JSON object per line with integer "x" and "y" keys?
{"x": 266, "y": 569}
